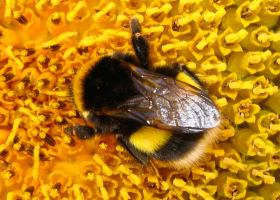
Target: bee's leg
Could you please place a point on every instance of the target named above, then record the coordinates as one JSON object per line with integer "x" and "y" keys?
{"x": 83, "y": 132}
{"x": 140, "y": 156}
{"x": 155, "y": 170}
{"x": 140, "y": 44}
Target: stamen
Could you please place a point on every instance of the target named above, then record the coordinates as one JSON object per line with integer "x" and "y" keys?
{"x": 55, "y": 67}
{"x": 247, "y": 12}
{"x": 28, "y": 52}
{"x": 55, "y": 18}
{"x": 20, "y": 18}
{"x": 6, "y": 77}
{"x": 43, "y": 60}
{"x": 58, "y": 104}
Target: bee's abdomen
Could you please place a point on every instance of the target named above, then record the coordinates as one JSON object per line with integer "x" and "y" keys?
{"x": 177, "y": 146}
{"x": 149, "y": 140}
{"x": 163, "y": 145}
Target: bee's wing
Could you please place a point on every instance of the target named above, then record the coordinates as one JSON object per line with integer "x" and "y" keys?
{"x": 167, "y": 104}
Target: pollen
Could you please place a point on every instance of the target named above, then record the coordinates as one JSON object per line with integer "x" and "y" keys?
{"x": 72, "y": 113}
{"x": 8, "y": 174}
{"x": 103, "y": 145}
{"x": 42, "y": 59}
{"x": 71, "y": 71}
{"x": 11, "y": 94}
{"x": 41, "y": 83}
{"x": 42, "y": 117}
{"x": 55, "y": 18}
{"x": 90, "y": 175}
{"x": 55, "y": 190}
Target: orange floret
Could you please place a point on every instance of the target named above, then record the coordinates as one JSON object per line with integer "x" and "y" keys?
{"x": 9, "y": 37}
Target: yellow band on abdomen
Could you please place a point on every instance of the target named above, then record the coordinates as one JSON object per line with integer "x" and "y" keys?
{"x": 187, "y": 79}
{"x": 149, "y": 139}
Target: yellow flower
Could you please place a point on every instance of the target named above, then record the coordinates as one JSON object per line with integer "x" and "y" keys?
{"x": 269, "y": 13}
{"x": 189, "y": 7}
{"x": 249, "y": 143}
{"x": 210, "y": 70}
{"x": 274, "y": 160}
{"x": 270, "y": 191}
{"x": 219, "y": 4}
{"x": 259, "y": 145}
{"x": 243, "y": 16}
{"x": 271, "y": 65}
{"x": 9, "y": 37}
{"x": 257, "y": 173}
{"x": 180, "y": 25}
{"x": 163, "y": 50}
{"x": 245, "y": 111}
{"x": 58, "y": 183}
{"x": 273, "y": 102}
{"x": 230, "y": 186}
{"x": 196, "y": 192}
{"x": 205, "y": 173}
{"x": 201, "y": 45}
{"x": 153, "y": 185}
{"x": 259, "y": 38}
{"x": 128, "y": 193}
{"x": 250, "y": 195}
{"x": 262, "y": 88}
{"x": 229, "y": 41}
{"x": 209, "y": 21}
{"x": 131, "y": 177}
{"x": 157, "y": 13}
{"x": 248, "y": 62}
{"x": 139, "y": 5}
{"x": 231, "y": 160}
{"x": 232, "y": 46}
{"x": 266, "y": 122}
{"x": 230, "y": 85}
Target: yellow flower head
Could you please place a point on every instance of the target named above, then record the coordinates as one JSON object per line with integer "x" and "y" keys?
{"x": 232, "y": 46}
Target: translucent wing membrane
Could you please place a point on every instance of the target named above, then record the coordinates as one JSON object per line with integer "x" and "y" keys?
{"x": 167, "y": 104}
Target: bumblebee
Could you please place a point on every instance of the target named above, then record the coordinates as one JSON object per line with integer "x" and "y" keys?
{"x": 159, "y": 113}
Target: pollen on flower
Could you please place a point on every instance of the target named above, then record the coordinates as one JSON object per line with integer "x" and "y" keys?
{"x": 43, "y": 117}
{"x": 58, "y": 104}
{"x": 72, "y": 113}
{"x": 8, "y": 174}
{"x": 103, "y": 145}
{"x": 90, "y": 175}
{"x": 55, "y": 190}
{"x": 71, "y": 71}
{"x": 28, "y": 192}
